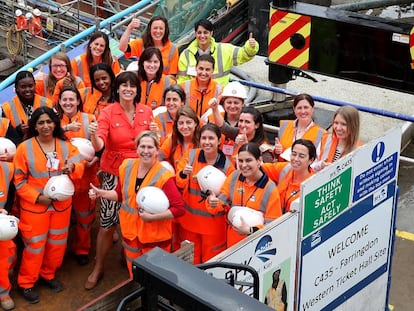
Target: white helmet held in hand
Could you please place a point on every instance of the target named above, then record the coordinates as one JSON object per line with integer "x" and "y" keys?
{"x": 234, "y": 89}
{"x": 59, "y": 188}
{"x": 250, "y": 216}
{"x": 152, "y": 199}
{"x": 85, "y": 147}
{"x": 158, "y": 110}
{"x": 168, "y": 166}
{"x": 6, "y": 145}
{"x": 211, "y": 178}
{"x": 8, "y": 227}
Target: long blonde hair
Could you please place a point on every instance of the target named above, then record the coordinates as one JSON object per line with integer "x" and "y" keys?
{"x": 351, "y": 117}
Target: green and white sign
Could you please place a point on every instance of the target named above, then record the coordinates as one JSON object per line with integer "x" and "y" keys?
{"x": 326, "y": 195}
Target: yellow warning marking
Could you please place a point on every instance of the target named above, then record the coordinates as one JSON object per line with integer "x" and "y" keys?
{"x": 390, "y": 307}
{"x": 405, "y": 235}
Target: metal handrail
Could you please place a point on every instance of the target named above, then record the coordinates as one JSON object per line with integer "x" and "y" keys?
{"x": 44, "y": 57}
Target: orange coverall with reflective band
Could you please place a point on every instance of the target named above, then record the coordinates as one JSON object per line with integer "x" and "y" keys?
{"x": 169, "y": 53}
{"x": 7, "y": 248}
{"x": 83, "y": 206}
{"x": 44, "y": 229}
{"x": 151, "y": 92}
{"x": 136, "y": 232}
{"x": 211, "y": 229}
{"x": 80, "y": 68}
{"x": 14, "y": 111}
{"x": 4, "y": 126}
{"x": 198, "y": 100}
{"x": 165, "y": 125}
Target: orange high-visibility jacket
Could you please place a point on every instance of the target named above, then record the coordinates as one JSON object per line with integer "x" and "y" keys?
{"x": 197, "y": 219}
{"x": 262, "y": 196}
{"x": 14, "y": 110}
{"x": 169, "y": 53}
{"x": 328, "y": 147}
{"x": 165, "y": 125}
{"x": 31, "y": 173}
{"x": 42, "y": 88}
{"x": 80, "y": 68}
{"x": 151, "y": 92}
{"x": 198, "y": 100}
{"x": 132, "y": 226}
{"x": 6, "y": 176}
{"x": 282, "y": 174}
{"x": 179, "y": 153}
{"x": 4, "y": 126}
{"x": 287, "y": 131}
{"x": 90, "y": 172}
{"x": 92, "y": 101}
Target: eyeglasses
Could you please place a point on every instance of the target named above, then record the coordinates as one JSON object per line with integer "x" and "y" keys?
{"x": 58, "y": 66}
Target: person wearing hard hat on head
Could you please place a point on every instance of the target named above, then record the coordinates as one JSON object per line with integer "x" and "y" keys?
{"x": 276, "y": 295}
{"x": 231, "y": 101}
{"x": 35, "y": 23}
{"x": 44, "y": 222}
{"x": 7, "y": 246}
{"x": 21, "y": 22}
{"x": 143, "y": 224}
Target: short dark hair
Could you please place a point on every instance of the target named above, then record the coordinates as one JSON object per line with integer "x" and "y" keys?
{"x": 205, "y": 23}
{"x": 206, "y": 58}
{"x": 124, "y": 77}
{"x": 309, "y": 145}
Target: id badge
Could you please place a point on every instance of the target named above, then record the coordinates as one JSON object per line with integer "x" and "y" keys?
{"x": 228, "y": 150}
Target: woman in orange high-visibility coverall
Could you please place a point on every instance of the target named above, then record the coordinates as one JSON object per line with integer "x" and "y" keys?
{"x": 153, "y": 81}
{"x": 303, "y": 127}
{"x": 200, "y": 89}
{"x": 289, "y": 175}
{"x": 343, "y": 139}
{"x": 75, "y": 124}
{"x": 250, "y": 187}
{"x": 44, "y": 223}
{"x": 156, "y": 35}
{"x": 206, "y": 231}
{"x": 97, "y": 51}
{"x": 100, "y": 95}
{"x": 141, "y": 230}
{"x": 20, "y": 108}
{"x": 7, "y": 248}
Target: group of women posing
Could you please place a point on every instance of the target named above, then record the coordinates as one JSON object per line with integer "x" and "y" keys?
{"x": 113, "y": 110}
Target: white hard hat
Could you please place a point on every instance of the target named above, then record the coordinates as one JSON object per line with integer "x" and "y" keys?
{"x": 158, "y": 110}
{"x": 36, "y": 12}
{"x": 8, "y": 227}
{"x": 6, "y": 145}
{"x": 133, "y": 66}
{"x": 234, "y": 89}
{"x": 211, "y": 178}
{"x": 250, "y": 216}
{"x": 85, "y": 147}
{"x": 18, "y": 12}
{"x": 29, "y": 15}
{"x": 152, "y": 199}
{"x": 59, "y": 188}
{"x": 168, "y": 166}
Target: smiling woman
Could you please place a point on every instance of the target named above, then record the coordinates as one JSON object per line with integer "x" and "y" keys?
{"x": 115, "y": 133}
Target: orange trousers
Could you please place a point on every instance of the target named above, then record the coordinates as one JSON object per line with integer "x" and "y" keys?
{"x": 7, "y": 259}
{"x": 84, "y": 212}
{"x": 134, "y": 248}
{"x": 45, "y": 237}
{"x": 206, "y": 246}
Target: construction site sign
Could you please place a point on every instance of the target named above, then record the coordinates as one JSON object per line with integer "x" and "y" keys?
{"x": 344, "y": 261}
